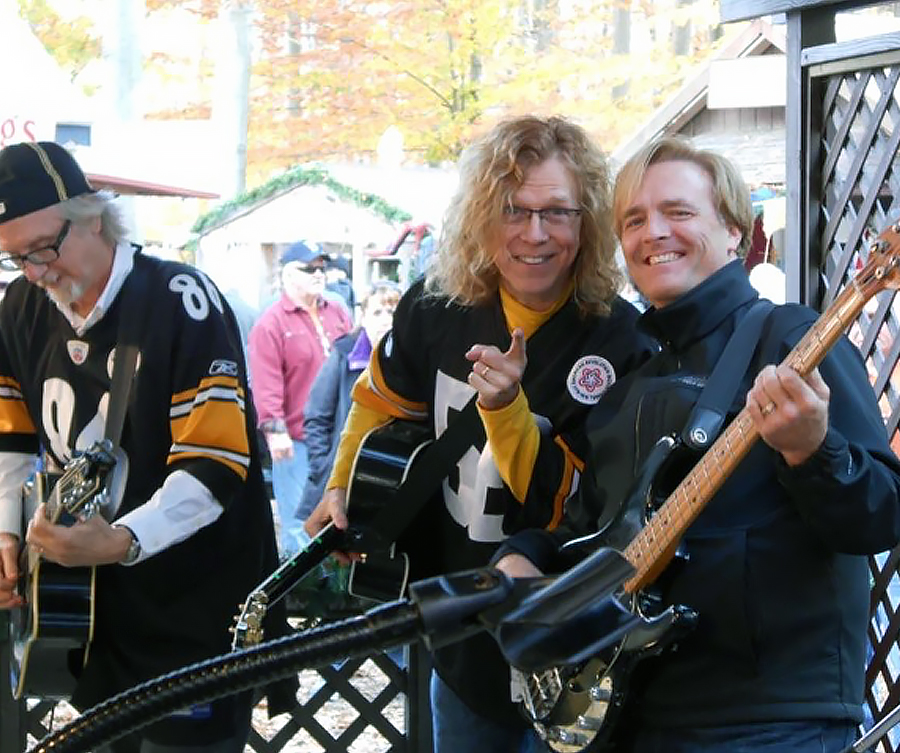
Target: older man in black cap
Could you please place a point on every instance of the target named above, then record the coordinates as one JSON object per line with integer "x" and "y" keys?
{"x": 189, "y": 532}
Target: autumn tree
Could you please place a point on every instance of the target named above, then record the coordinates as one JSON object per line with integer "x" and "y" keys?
{"x": 73, "y": 41}
{"x": 329, "y": 77}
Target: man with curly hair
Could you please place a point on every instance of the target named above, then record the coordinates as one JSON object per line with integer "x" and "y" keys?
{"x": 527, "y": 255}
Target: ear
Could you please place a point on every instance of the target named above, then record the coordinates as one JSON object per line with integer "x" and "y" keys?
{"x": 735, "y": 237}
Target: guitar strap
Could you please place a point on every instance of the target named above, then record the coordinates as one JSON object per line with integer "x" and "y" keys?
{"x": 132, "y": 314}
{"x": 426, "y": 475}
{"x": 708, "y": 415}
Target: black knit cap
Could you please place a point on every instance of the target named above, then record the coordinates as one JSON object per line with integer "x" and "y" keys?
{"x": 37, "y": 175}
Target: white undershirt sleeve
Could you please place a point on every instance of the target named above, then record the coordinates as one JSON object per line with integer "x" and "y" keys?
{"x": 15, "y": 468}
{"x": 176, "y": 511}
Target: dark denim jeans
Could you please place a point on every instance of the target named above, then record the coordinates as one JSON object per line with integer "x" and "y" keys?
{"x": 814, "y": 736}
{"x": 458, "y": 729}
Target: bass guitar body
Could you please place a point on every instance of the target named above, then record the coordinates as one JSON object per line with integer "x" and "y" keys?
{"x": 50, "y": 635}
{"x": 53, "y": 632}
{"x": 577, "y": 707}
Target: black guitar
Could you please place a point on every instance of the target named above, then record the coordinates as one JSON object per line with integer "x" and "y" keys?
{"x": 51, "y": 634}
{"x": 575, "y": 708}
{"x": 382, "y": 462}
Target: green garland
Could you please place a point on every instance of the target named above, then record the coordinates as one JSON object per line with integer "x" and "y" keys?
{"x": 297, "y": 176}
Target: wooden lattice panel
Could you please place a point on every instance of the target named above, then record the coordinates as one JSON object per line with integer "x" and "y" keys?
{"x": 358, "y": 706}
{"x": 860, "y": 195}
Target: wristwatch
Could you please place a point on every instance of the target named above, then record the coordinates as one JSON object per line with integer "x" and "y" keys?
{"x": 134, "y": 548}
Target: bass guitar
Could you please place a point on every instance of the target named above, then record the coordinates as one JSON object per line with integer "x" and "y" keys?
{"x": 575, "y": 708}
{"x": 51, "y": 634}
{"x": 382, "y": 463}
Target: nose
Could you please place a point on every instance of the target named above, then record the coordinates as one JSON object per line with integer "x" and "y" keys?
{"x": 534, "y": 231}
{"x": 657, "y": 226}
{"x": 34, "y": 272}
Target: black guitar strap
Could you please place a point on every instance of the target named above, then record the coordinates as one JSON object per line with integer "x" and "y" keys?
{"x": 705, "y": 421}
{"x": 427, "y": 474}
{"x": 132, "y": 314}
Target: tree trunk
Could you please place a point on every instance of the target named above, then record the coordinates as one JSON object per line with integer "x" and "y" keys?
{"x": 681, "y": 33}
{"x": 621, "y": 42}
{"x": 232, "y": 93}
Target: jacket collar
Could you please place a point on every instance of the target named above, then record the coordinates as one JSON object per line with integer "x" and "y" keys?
{"x": 701, "y": 310}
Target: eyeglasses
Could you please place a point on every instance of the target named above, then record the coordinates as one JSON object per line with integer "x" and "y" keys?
{"x": 311, "y": 269}
{"x": 554, "y": 216}
{"x": 16, "y": 262}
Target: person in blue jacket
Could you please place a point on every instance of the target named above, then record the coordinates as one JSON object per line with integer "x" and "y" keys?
{"x": 775, "y": 564}
{"x": 329, "y": 397}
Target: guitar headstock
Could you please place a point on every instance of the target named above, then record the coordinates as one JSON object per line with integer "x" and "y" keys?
{"x": 78, "y": 491}
{"x": 248, "y": 625}
{"x": 882, "y": 269}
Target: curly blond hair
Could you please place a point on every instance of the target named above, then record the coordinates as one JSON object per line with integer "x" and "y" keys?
{"x": 490, "y": 171}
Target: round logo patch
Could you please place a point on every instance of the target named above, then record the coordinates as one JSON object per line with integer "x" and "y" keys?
{"x": 589, "y": 378}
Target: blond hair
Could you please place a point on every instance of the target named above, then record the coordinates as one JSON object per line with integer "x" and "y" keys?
{"x": 491, "y": 170}
{"x": 730, "y": 194}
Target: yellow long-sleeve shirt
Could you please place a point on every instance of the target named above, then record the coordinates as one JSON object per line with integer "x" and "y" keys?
{"x": 512, "y": 433}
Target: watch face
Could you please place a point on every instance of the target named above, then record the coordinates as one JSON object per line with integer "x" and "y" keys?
{"x": 134, "y": 551}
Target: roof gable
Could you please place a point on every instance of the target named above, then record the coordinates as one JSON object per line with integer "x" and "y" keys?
{"x": 283, "y": 184}
{"x": 757, "y": 38}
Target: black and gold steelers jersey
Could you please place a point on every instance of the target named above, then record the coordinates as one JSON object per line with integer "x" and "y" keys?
{"x": 189, "y": 410}
{"x": 421, "y": 370}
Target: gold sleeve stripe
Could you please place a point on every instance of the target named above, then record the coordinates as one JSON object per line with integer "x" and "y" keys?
{"x": 562, "y": 494}
{"x": 240, "y": 459}
{"x": 14, "y": 418}
{"x": 211, "y": 393}
{"x": 226, "y": 382}
{"x": 210, "y": 422}
{"x": 239, "y": 468}
{"x": 216, "y": 424}
{"x": 571, "y": 456}
{"x": 377, "y": 385}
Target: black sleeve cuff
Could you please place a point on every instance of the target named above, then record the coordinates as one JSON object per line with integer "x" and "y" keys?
{"x": 831, "y": 460}
{"x": 535, "y": 544}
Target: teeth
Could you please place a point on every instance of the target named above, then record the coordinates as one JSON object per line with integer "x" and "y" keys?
{"x": 532, "y": 259}
{"x": 662, "y": 259}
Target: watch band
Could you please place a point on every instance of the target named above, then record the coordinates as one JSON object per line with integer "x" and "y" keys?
{"x": 134, "y": 548}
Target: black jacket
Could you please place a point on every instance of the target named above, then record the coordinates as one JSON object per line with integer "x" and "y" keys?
{"x": 775, "y": 567}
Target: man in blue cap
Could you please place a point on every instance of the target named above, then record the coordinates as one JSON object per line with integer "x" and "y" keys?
{"x": 288, "y": 345}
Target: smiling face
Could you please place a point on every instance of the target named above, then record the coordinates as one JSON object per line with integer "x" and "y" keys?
{"x": 535, "y": 258}
{"x": 672, "y": 236}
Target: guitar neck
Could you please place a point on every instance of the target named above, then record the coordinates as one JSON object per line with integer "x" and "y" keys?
{"x": 280, "y": 582}
{"x": 653, "y": 548}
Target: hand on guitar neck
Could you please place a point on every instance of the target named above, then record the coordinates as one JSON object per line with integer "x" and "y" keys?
{"x": 332, "y": 510}
{"x": 790, "y": 412}
{"x": 86, "y": 543}
{"x": 9, "y": 571}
